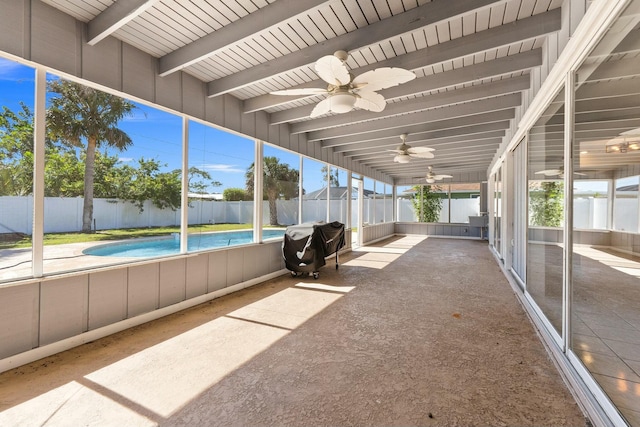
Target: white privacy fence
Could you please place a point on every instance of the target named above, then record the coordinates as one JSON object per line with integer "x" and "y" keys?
{"x": 461, "y": 210}
{"x": 65, "y": 214}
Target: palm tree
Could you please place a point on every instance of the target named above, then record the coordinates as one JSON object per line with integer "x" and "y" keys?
{"x": 278, "y": 180}
{"x": 82, "y": 114}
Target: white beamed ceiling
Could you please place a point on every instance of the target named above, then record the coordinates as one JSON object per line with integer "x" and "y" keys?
{"x": 248, "y": 48}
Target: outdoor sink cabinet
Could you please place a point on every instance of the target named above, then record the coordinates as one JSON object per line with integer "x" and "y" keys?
{"x": 481, "y": 222}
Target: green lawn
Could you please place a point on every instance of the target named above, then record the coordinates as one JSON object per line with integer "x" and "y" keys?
{"x": 120, "y": 234}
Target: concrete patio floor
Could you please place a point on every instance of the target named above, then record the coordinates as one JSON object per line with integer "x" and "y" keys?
{"x": 410, "y": 331}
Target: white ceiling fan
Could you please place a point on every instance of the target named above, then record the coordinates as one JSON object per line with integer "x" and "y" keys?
{"x": 556, "y": 172}
{"x": 432, "y": 177}
{"x": 405, "y": 152}
{"x": 346, "y": 92}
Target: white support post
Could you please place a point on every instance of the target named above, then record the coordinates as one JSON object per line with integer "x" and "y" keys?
{"x": 258, "y": 168}
{"x": 184, "y": 203}
{"x": 39, "y": 131}
{"x": 569, "y": 120}
{"x": 394, "y": 203}
{"x": 300, "y": 190}
{"x": 348, "y": 195}
{"x": 328, "y": 184}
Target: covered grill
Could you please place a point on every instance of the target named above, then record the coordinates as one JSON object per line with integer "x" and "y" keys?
{"x": 306, "y": 246}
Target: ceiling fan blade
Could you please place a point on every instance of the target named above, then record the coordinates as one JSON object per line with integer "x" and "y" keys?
{"x": 416, "y": 150}
{"x": 382, "y": 78}
{"x": 370, "y": 101}
{"x": 322, "y": 107}
{"x": 431, "y": 180}
{"x": 439, "y": 177}
{"x": 549, "y": 172}
{"x": 396, "y": 151}
{"x": 332, "y": 70}
{"x": 421, "y": 155}
{"x": 308, "y": 91}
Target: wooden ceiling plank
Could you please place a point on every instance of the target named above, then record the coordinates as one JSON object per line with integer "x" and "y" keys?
{"x": 445, "y": 113}
{"x": 115, "y": 17}
{"x": 362, "y": 37}
{"x": 430, "y": 131}
{"x": 356, "y": 149}
{"x": 252, "y": 24}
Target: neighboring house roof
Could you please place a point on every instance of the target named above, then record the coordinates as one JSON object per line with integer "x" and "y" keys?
{"x": 214, "y": 196}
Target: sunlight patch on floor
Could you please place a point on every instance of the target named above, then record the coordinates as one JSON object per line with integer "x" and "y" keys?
{"x": 72, "y": 404}
{"x": 373, "y": 260}
{"x": 623, "y": 265}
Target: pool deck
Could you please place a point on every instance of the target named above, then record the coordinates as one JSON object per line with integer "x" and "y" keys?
{"x": 16, "y": 263}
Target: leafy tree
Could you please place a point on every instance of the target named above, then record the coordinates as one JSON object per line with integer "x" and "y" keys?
{"x": 427, "y": 198}
{"x": 235, "y": 195}
{"x": 63, "y": 174}
{"x": 278, "y": 181}
{"x": 196, "y": 183}
{"x": 547, "y": 204}
{"x": 334, "y": 179}
{"x": 88, "y": 118}
{"x": 16, "y": 151}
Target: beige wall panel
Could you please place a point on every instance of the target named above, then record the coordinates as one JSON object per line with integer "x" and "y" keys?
{"x": 169, "y": 91}
{"x": 235, "y": 266}
{"x": 138, "y": 73}
{"x": 248, "y": 123}
{"x": 274, "y": 134}
{"x": 54, "y": 38}
{"x": 102, "y": 63}
{"x": 173, "y": 282}
{"x": 12, "y": 22}
{"x": 63, "y": 308}
{"x": 19, "y": 318}
{"x": 214, "y": 109}
{"x": 107, "y": 297}
{"x": 262, "y": 125}
{"x": 143, "y": 289}
{"x": 197, "y": 271}
{"x": 275, "y": 258}
{"x": 232, "y": 111}
{"x": 217, "y": 278}
{"x": 193, "y": 96}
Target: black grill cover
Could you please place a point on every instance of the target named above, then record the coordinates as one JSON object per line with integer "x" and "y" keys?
{"x": 305, "y": 246}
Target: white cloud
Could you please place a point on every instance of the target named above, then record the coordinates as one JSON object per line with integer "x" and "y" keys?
{"x": 222, "y": 168}
{"x": 125, "y": 159}
{"x": 8, "y": 69}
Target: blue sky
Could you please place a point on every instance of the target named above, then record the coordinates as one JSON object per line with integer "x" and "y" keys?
{"x": 157, "y": 134}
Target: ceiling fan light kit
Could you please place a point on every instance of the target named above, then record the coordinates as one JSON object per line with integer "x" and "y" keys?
{"x": 622, "y": 147}
{"x": 402, "y": 158}
{"x": 342, "y": 102}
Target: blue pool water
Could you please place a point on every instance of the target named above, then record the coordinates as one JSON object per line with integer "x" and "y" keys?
{"x": 171, "y": 245}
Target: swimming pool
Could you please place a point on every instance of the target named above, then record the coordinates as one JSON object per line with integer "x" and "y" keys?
{"x": 171, "y": 245}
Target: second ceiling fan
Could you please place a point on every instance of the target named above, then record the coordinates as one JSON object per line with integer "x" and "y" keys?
{"x": 405, "y": 152}
{"x": 346, "y": 92}
{"x": 432, "y": 177}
